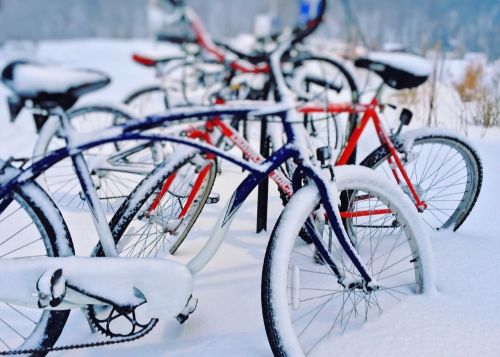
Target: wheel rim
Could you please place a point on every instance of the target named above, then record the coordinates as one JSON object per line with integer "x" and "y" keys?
{"x": 148, "y": 102}
{"x": 319, "y": 307}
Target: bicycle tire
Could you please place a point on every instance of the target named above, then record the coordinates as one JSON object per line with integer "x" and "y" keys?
{"x": 336, "y": 74}
{"x": 286, "y": 288}
{"x": 140, "y": 101}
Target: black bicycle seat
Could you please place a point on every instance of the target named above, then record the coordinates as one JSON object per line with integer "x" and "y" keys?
{"x": 49, "y": 85}
{"x": 398, "y": 70}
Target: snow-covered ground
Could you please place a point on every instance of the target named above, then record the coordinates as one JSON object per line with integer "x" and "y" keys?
{"x": 462, "y": 320}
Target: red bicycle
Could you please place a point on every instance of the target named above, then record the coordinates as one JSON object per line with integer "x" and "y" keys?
{"x": 440, "y": 171}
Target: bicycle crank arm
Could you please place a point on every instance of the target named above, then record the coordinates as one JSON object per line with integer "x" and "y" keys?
{"x": 73, "y": 282}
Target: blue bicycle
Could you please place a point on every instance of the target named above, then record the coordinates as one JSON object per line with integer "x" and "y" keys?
{"x": 311, "y": 292}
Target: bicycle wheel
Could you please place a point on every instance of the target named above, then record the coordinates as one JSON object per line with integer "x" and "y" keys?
{"x": 160, "y": 212}
{"x": 324, "y": 80}
{"x": 31, "y": 226}
{"x": 445, "y": 171}
{"x": 321, "y": 81}
{"x": 148, "y": 101}
{"x": 304, "y": 305}
{"x": 116, "y": 168}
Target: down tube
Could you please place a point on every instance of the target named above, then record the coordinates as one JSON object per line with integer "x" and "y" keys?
{"x": 328, "y": 197}
{"x": 233, "y": 205}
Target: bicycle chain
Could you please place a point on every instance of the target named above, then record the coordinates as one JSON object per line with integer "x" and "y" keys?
{"x": 80, "y": 346}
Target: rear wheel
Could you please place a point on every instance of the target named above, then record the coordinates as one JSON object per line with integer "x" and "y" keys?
{"x": 304, "y": 305}
{"x": 324, "y": 81}
{"x": 31, "y": 226}
{"x": 446, "y": 173}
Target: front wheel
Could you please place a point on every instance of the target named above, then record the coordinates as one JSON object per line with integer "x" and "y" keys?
{"x": 445, "y": 171}
{"x": 304, "y": 305}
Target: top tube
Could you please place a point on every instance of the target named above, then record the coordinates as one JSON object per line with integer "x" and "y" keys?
{"x": 130, "y": 130}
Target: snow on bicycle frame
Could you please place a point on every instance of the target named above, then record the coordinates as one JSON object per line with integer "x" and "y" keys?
{"x": 55, "y": 277}
{"x": 43, "y": 269}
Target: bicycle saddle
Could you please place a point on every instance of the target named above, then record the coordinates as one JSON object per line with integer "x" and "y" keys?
{"x": 398, "y": 70}
{"x": 48, "y": 85}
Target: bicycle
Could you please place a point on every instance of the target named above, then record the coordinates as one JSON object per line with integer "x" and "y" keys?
{"x": 455, "y": 180}
{"x": 458, "y": 156}
{"x": 85, "y": 119}
{"x": 439, "y": 170}
{"x": 69, "y": 194}
{"x": 73, "y": 282}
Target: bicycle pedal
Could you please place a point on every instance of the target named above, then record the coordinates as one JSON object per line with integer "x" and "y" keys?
{"x": 51, "y": 287}
{"x": 188, "y": 310}
{"x": 213, "y": 198}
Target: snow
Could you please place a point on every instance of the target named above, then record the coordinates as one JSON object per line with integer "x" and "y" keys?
{"x": 87, "y": 279}
{"x": 462, "y": 319}
{"x": 29, "y": 79}
{"x": 417, "y": 65}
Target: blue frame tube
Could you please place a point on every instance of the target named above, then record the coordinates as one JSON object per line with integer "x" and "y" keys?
{"x": 258, "y": 172}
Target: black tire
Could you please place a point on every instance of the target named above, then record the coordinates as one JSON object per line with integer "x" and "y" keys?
{"x": 133, "y": 209}
{"x": 442, "y": 212}
{"x": 323, "y": 128}
{"x": 30, "y": 207}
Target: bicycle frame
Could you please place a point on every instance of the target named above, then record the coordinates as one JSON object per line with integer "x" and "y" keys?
{"x": 369, "y": 113}
{"x": 234, "y": 137}
{"x": 77, "y": 144}
{"x": 295, "y": 148}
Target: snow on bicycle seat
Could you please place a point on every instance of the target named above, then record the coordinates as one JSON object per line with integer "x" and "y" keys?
{"x": 397, "y": 69}
{"x": 44, "y": 83}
